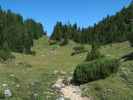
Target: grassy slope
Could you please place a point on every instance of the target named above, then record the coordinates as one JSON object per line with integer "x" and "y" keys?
{"x": 118, "y": 86}
{"x": 41, "y": 76}
{"x": 44, "y": 64}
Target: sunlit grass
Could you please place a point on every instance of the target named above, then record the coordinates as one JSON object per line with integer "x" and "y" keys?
{"x": 40, "y": 68}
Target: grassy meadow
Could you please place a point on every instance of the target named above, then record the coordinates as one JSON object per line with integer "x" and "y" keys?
{"x": 34, "y": 74}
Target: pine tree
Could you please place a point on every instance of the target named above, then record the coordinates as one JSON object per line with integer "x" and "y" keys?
{"x": 17, "y": 34}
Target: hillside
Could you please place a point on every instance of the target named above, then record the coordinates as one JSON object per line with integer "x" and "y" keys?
{"x": 28, "y": 75}
{"x": 77, "y": 62}
{"x": 42, "y": 70}
{"x": 112, "y": 28}
{"x": 118, "y": 86}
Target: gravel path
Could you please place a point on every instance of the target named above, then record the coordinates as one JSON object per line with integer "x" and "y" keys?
{"x": 71, "y": 92}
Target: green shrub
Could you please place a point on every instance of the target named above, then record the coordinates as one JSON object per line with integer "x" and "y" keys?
{"x": 130, "y": 38}
{"x": 97, "y": 69}
{"x": 24, "y": 64}
{"x": 2, "y": 96}
{"x": 33, "y": 53}
{"x": 52, "y": 42}
{"x": 78, "y": 49}
{"x": 63, "y": 42}
{"x": 94, "y": 53}
{"x": 5, "y": 55}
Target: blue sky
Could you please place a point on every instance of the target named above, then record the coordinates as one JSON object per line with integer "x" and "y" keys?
{"x": 48, "y": 12}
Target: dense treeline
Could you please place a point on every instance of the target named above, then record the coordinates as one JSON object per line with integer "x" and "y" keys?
{"x": 17, "y": 34}
{"x": 111, "y": 29}
{"x": 65, "y": 31}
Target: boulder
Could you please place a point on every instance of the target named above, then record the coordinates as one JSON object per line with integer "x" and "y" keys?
{"x": 60, "y": 98}
{"x": 58, "y": 85}
{"x": 67, "y": 81}
{"x": 7, "y": 93}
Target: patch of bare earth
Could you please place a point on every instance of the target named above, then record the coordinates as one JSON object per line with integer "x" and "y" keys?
{"x": 69, "y": 91}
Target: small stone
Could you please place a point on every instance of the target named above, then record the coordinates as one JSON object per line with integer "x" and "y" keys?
{"x": 35, "y": 94}
{"x": 58, "y": 85}
{"x": 60, "y": 98}
{"x": 42, "y": 55}
{"x": 56, "y": 71}
{"x": 71, "y": 72}
{"x": 7, "y": 93}
{"x": 62, "y": 73}
{"x": 4, "y": 85}
{"x": 13, "y": 83}
{"x": 17, "y": 85}
{"x": 67, "y": 81}
{"x": 12, "y": 75}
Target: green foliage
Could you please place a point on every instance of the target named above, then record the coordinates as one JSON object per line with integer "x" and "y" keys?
{"x": 5, "y": 55}
{"x": 65, "y": 31}
{"x": 78, "y": 49}
{"x": 52, "y": 42}
{"x": 108, "y": 89}
{"x": 64, "y": 41}
{"x": 130, "y": 38}
{"x": 97, "y": 69}
{"x": 111, "y": 29}
{"x": 94, "y": 53}
{"x": 16, "y": 33}
{"x": 33, "y": 53}
{"x": 54, "y": 47}
{"x": 2, "y": 96}
{"x": 25, "y": 65}
{"x": 33, "y": 28}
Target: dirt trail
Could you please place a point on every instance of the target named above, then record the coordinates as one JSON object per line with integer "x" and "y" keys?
{"x": 71, "y": 92}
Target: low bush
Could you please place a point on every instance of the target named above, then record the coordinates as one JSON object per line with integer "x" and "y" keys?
{"x": 78, "y": 50}
{"x": 33, "y": 53}
{"x": 97, "y": 69}
{"x": 5, "y": 55}
{"x": 94, "y": 53}
{"x": 63, "y": 42}
{"x": 52, "y": 42}
{"x": 2, "y": 96}
{"x": 24, "y": 64}
{"x": 130, "y": 38}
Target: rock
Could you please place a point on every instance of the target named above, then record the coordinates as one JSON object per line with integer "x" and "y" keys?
{"x": 80, "y": 56}
{"x": 18, "y": 86}
{"x": 35, "y": 94}
{"x": 108, "y": 55}
{"x": 58, "y": 85}
{"x": 62, "y": 73}
{"x": 56, "y": 71}
{"x": 7, "y": 93}
{"x": 42, "y": 55}
{"x": 12, "y": 75}
{"x": 67, "y": 81}
{"x": 4, "y": 85}
{"x": 69, "y": 92}
{"x": 71, "y": 73}
{"x": 60, "y": 98}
